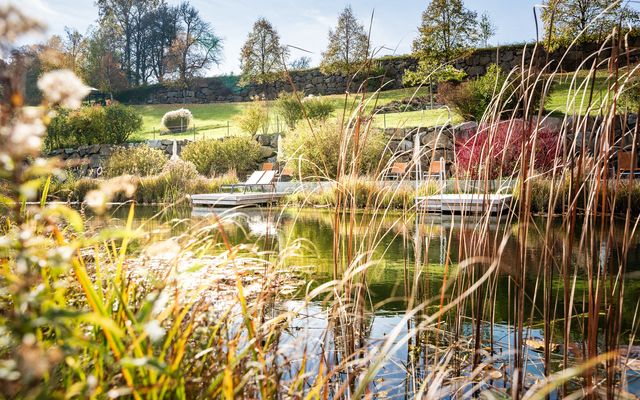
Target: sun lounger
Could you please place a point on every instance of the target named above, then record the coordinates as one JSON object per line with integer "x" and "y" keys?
{"x": 627, "y": 165}
{"x": 257, "y": 180}
{"x": 253, "y": 179}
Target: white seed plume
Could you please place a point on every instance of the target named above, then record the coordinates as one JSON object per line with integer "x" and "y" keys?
{"x": 96, "y": 200}
{"x": 64, "y": 88}
{"x": 154, "y": 330}
{"x": 24, "y": 136}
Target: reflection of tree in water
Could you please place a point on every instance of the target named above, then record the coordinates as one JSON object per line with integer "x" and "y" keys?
{"x": 402, "y": 262}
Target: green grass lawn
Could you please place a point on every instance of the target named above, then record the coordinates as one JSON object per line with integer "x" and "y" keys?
{"x": 571, "y": 92}
{"x": 219, "y": 119}
{"x": 426, "y": 118}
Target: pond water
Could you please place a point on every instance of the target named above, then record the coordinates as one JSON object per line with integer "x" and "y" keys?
{"x": 395, "y": 278}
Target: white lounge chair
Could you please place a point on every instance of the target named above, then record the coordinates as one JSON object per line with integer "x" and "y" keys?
{"x": 258, "y": 179}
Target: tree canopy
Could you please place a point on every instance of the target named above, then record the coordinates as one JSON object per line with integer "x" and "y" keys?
{"x": 584, "y": 20}
{"x": 348, "y": 45}
{"x": 262, "y": 56}
{"x": 448, "y": 30}
{"x": 153, "y": 40}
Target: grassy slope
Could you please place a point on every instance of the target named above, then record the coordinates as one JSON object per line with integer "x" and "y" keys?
{"x": 571, "y": 95}
{"x": 211, "y": 120}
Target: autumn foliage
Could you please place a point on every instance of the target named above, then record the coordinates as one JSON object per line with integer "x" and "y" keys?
{"x": 495, "y": 150}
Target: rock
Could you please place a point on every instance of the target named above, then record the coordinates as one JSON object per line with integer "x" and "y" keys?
{"x": 405, "y": 145}
{"x": 264, "y": 140}
{"x": 106, "y": 150}
{"x": 266, "y": 152}
{"x": 464, "y": 130}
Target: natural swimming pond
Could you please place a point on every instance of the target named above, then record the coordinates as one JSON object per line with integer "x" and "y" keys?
{"x": 406, "y": 261}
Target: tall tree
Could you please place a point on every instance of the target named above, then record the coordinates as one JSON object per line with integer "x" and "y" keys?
{"x": 101, "y": 66}
{"x": 584, "y": 20}
{"x": 486, "y": 29}
{"x": 262, "y": 56}
{"x": 163, "y": 31}
{"x": 447, "y": 31}
{"x": 75, "y": 45}
{"x": 127, "y": 19}
{"x": 196, "y": 46}
{"x": 348, "y": 45}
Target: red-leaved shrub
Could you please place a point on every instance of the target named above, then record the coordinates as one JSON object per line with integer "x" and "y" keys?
{"x": 495, "y": 150}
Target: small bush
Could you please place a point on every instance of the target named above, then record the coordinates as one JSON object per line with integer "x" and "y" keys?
{"x": 121, "y": 122}
{"x": 293, "y": 110}
{"x": 178, "y": 120}
{"x": 318, "y": 108}
{"x": 92, "y": 125}
{"x": 289, "y": 108}
{"x": 255, "y": 117}
{"x": 319, "y": 150}
{"x": 493, "y": 91}
{"x": 139, "y": 160}
{"x": 214, "y": 156}
{"x": 495, "y": 151}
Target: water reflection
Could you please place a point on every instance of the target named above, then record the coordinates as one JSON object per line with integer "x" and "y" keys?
{"x": 412, "y": 259}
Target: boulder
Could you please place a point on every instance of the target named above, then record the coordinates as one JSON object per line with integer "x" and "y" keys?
{"x": 266, "y": 152}
{"x": 264, "y": 140}
{"x": 405, "y": 145}
{"x": 464, "y": 130}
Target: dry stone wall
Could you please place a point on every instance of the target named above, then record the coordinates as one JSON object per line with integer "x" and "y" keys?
{"x": 90, "y": 160}
{"x": 387, "y": 75}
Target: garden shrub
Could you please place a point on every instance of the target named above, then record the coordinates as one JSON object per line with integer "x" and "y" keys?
{"x": 627, "y": 196}
{"x": 293, "y": 110}
{"x": 630, "y": 96}
{"x": 178, "y": 120}
{"x": 177, "y": 174}
{"x": 140, "y": 160}
{"x": 494, "y": 90}
{"x": 121, "y": 121}
{"x": 214, "y": 156}
{"x": 255, "y": 117}
{"x": 112, "y": 124}
{"x": 495, "y": 150}
{"x": 319, "y": 150}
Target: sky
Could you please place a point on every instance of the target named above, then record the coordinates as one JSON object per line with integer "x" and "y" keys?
{"x": 302, "y": 23}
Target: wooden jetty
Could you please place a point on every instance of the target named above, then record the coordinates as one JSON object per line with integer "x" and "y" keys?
{"x": 242, "y": 199}
{"x": 465, "y": 203}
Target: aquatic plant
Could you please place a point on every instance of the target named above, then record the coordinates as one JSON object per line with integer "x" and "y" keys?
{"x": 98, "y": 313}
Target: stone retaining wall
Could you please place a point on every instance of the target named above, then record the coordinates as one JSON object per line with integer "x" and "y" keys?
{"x": 90, "y": 160}
{"x": 436, "y": 142}
{"x": 388, "y": 73}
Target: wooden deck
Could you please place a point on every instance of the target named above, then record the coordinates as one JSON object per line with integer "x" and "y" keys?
{"x": 466, "y": 203}
{"x": 235, "y": 199}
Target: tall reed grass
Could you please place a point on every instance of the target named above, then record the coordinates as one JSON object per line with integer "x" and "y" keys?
{"x": 84, "y": 315}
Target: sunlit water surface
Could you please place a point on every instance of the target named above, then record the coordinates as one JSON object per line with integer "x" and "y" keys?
{"x": 439, "y": 241}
